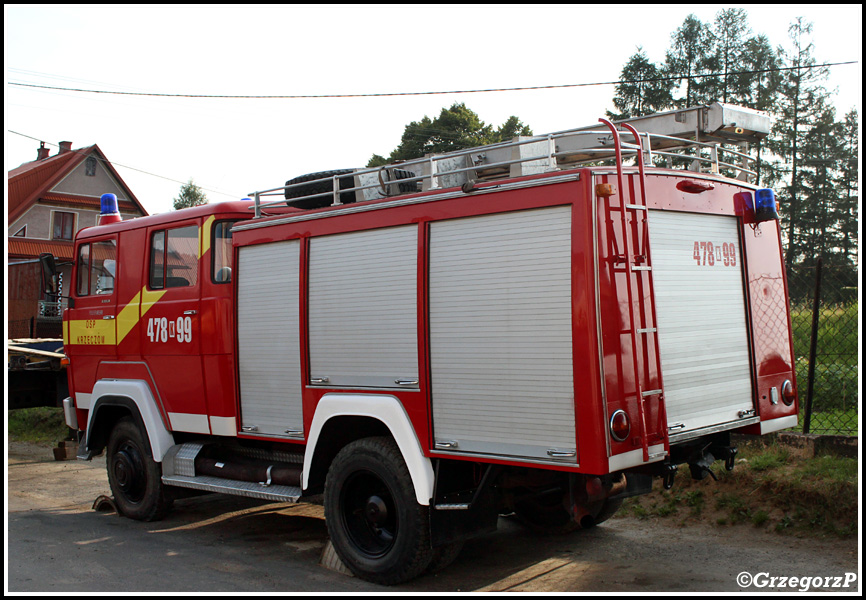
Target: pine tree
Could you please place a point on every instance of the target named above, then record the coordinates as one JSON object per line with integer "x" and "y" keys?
{"x": 643, "y": 90}
{"x": 757, "y": 88}
{"x": 687, "y": 55}
{"x": 796, "y": 111}
{"x": 728, "y": 33}
{"x": 847, "y": 182}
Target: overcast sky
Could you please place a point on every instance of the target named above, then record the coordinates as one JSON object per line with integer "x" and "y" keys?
{"x": 234, "y": 147}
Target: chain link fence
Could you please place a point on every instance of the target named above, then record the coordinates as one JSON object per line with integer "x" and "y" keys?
{"x": 833, "y": 377}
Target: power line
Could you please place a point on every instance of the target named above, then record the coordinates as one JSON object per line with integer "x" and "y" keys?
{"x": 115, "y": 164}
{"x": 391, "y": 94}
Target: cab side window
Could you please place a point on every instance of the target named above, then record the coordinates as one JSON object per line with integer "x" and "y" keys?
{"x": 174, "y": 258}
{"x": 97, "y": 268}
{"x": 222, "y": 251}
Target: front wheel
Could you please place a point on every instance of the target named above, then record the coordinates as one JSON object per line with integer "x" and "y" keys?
{"x": 135, "y": 478}
{"x": 376, "y": 525}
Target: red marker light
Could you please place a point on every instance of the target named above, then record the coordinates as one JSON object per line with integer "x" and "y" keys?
{"x": 694, "y": 186}
{"x": 788, "y": 395}
{"x": 619, "y": 426}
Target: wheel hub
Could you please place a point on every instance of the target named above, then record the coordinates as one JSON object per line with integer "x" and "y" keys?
{"x": 376, "y": 511}
{"x": 369, "y": 514}
{"x": 129, "y": 473}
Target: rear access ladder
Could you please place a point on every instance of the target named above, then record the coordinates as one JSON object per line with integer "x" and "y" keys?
{"x": 637, "y": 263}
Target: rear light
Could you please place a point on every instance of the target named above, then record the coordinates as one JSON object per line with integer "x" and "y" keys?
{"x": 765, "y": 205}
{"x": 788, "y": 395}
{"x": 619, "y": 426}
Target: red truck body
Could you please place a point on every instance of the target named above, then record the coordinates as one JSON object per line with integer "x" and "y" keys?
{"x": 577, "y": 330}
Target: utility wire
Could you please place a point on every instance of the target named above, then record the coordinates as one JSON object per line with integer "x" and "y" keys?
{"x": 513, "y": 89}
{"x": 115, "y": 164}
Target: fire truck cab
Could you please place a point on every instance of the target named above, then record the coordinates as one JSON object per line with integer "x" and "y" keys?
{"x": 517, "y": 329}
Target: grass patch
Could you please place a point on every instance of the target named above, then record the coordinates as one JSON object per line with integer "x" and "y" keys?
{"x": 836, "y": 390}
{"x": 829, "y": 422}
{"x": 41, "y": 425}
{"x": 773, "y": 488}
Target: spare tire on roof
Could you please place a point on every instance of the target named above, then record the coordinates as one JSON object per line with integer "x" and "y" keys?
{"x": 409, "y": 187}
{"x": 321, "y": 187}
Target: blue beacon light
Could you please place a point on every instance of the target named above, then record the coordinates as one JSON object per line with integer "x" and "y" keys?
{"x": 109, "y": 212}
{"x": 765, "y": 205}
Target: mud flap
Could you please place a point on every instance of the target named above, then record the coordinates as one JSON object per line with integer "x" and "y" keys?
{"x": 455, "y": 521}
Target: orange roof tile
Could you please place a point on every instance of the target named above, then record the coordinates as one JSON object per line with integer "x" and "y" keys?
{"x": 29, "y": 248}
{"x": 85, "y": 202}
{"x": 30, "y": 181}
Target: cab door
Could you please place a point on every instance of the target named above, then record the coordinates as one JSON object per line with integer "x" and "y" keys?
{"x": 170, "y": 323}
{"x": 90, "y": 325}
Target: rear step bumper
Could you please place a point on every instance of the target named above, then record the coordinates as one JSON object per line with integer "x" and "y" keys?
{"x": 696, "y": 433}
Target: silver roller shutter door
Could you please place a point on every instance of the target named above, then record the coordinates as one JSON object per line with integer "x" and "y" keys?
{"x": 268, "y": 338}
{"x": 701, "y": 315}
{"x": 363, "y": 308}
{"x": 500, "y": 334}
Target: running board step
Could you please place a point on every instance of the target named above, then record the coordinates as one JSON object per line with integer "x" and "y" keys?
{"x": 279, "y": 493}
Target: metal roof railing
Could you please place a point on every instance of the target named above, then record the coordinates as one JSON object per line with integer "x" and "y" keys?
{"x": 690, "y": 137}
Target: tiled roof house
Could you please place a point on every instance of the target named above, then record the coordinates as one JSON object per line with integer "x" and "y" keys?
{"x": 50, "y": 199}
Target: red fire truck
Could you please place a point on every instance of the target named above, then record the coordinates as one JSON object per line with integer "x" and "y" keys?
{"x": 536, "y": 328}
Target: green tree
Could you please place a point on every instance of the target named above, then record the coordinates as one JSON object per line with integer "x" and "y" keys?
{"x": 643, "y": 89}
{"x": 456, "y": 128}
{"x": 190, "y": 195}
{"x": 758, "y": 87}
{"x": 687, "y": 56}
{"x": 727, "y": 56}
{"x": 848, "y": 184}
{"x": 820, "y": 151}
{"x": 800, "y": 101}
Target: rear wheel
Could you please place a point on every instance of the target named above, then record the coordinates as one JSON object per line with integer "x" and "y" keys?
{"x": 135, "y": 478}
{"x": 376, "y": 525}
{"x": 444, "y": 556}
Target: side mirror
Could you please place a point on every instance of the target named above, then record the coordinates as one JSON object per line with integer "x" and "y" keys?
{"x": 50, "y": 280}
{"x": 49, "y": 273}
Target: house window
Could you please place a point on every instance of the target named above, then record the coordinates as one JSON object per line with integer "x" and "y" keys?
{"x": 174, "y": 258}
{"x": 90, "y": 166}
{"x": 64, "y": 225}
{"x": 21, "y": 232}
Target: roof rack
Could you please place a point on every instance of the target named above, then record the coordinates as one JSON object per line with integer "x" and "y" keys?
{"x": 689, "y": 138}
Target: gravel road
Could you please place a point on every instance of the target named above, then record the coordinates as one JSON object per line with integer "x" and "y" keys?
{"x": 58, "y": 543}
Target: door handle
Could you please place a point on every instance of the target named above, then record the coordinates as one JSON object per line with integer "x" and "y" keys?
{"x": 190, "y": 312}
{"x": 106, "y": 317}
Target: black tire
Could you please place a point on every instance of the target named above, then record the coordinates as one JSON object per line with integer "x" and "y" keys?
{"x": 321, "y": 187}
{"x": 135, "y": 478}
{"x": 444, "y": 556}
{"x": 376, "y": 525}
{"x": 409, "y": 187}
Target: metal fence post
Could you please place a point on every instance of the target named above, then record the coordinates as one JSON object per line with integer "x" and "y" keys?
{"x": 813, "y": 348}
